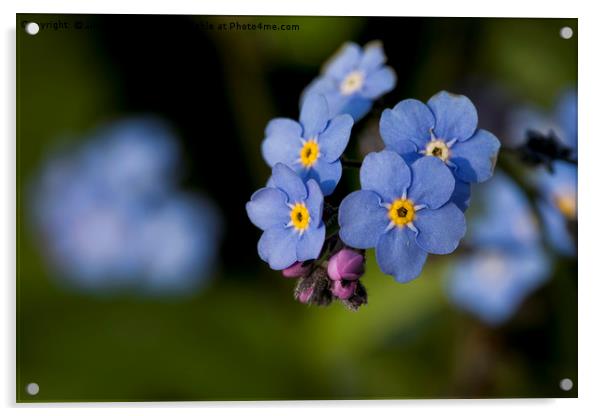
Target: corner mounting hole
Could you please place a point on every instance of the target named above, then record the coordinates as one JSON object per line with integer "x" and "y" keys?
{"x": 32, "y": 28}
{"x": 566, "y": 32}
{"x": 566, "y": 384}
{"x": 32, "y": 389}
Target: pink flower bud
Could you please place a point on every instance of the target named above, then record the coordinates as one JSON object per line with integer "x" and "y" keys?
{"x": 295, "y": 270}
{"x": 343, "y": 290}
{"x": 305, "y": 295}
{"x": 346, "y": 264}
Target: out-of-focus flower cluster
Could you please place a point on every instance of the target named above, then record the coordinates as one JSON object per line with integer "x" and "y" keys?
{"x": 506, "y": 260}
{"x": 111, "y": 217}
{"x": 413, "y": 194}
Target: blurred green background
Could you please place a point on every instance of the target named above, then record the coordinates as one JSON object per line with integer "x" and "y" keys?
{"x": 244, "y": 337}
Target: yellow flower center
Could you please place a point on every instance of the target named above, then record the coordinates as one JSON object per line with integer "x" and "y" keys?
{"x": 352, "y": 83}
{"x": 438, "y": 148}
{"x": 567, "y": 205}
{"x": 300, "y": 217}
{"x": 402, "y": 212}
{"x": 309, "y": 153}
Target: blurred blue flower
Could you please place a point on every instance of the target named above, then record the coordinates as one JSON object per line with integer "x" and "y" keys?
{"x": 493, "y": 283}
{"x": 311, "y": 148}
{"x": 179, "y": 243}
{"x": 446, "y": 128}
{"x": 558, "y": 188}
{"x": 558, "y": 204}
{"x": 132, "y": 157}
{"x": 507, "y": 262}
{"x": 290, "y": 214}
{"x": 110, "y": 217}
{"x": 352, "y": 79}
{"x": 403, "y": 211}
{"x": 562, "y": 120}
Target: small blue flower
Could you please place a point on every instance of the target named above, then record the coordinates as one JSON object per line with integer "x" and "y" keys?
{"x": 403, "y": 211}
{"x": 178, "y": 241}
{"x": 133, "y": 157}
{"x": 290, "y": 214}
{"x": 446, "y": 127}
{"x": 311, "y": 148}
{"x": 493, "y": 283}
{"x": 508, "y": 262}
{"x": 558, "y": 204}
{"x": 353, "y": 78}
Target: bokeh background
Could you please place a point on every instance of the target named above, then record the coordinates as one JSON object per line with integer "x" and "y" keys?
{"x": 239, "y": 334}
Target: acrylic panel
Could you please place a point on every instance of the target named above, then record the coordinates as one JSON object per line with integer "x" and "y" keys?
{"x": 295, "y": 208}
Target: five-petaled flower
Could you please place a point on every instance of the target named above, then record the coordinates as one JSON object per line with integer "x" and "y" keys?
{"x": 290, "y": 214}
{"x": 445, "y": 127}
{"x": 312, "y": 147}
{"x": 403, "y": 211}
{"x": 353, "y": 78}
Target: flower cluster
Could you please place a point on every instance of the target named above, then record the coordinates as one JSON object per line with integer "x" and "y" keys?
{"x": 110, "y": 216}
{"x": 413, "y": 194}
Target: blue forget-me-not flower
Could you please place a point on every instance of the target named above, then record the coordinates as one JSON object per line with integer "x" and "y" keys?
{"x": 507, "y": 262}
{"x": 289, "y": 212}
{"x": 311, "y": 147}
{"x": 403, "y": 211}
{"x": 353, "y": 78}
{"x": 444, "y": 127}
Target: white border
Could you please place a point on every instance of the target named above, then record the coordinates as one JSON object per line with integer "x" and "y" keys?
{"x": 590, "y": 201}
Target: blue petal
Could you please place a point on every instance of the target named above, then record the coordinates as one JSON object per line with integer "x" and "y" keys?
{"x": 310, "y": 244}
{"x": 335, "y": 138}
{"x": 288, "y": 181}
{"x": 282, "y": 142}
{"x": 561, "y": 182}
{"x": 344, "y": 61}
{"x": 326, "y": 174}
{"x": 455, "y": 116}
{"x": 432, "y": 182}
{"x": 314, "y": 202}
{"x": 475, "y": 158}
{"x": 278, "y": 247}
{"x": 328, "y": 88}
{"x": 440, "y": 230}
{"x": 566, "y": 115}
{"x": 398, "y": 254}
{"x": 461, "y": 195}
{"x": 407, "y": 127}
{"x": 362, "y": 219}
{"x": 373, "y": 57}
{"x": 385, "y": 173}
{"x": 354, "y": 105}
{"x": 379, "y": 82}
{"x": 556, "y": 229}
{"x": 314, "y": 115}
{"x": 267, "y": 208}
{"x": 393, "y": 135}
